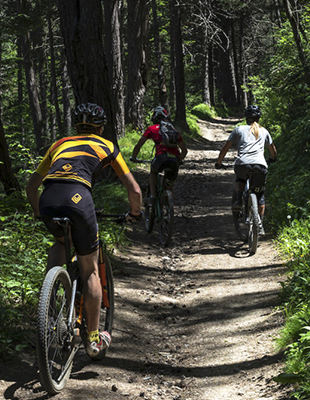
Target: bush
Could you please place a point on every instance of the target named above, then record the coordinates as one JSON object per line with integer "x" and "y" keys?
{"x": 203, "y": 111}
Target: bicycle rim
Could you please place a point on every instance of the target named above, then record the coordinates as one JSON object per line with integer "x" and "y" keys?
{"x": 167, "y": 218}
{"x": 54, "y": 348}
{"x": 254, "y": 224}
{"x": 107, "y": 313}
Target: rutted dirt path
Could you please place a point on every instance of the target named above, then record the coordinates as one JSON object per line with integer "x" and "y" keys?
{"x": 195, "y": 321}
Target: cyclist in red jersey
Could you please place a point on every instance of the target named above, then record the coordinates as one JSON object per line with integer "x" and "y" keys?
{"x": 164, "y": 156}
{"x": 68, "y": 171}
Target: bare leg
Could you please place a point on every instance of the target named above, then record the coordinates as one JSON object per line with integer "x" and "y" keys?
{"x": 261, "y": 210}
{"x": 92, "y": 288}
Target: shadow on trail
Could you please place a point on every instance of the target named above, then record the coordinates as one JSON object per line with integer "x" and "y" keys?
{"x": 193, "y": 372}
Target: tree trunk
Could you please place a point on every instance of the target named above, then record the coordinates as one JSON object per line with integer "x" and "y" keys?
{"x": 20, "y": 90}
{"x": 53, "y": 73}
{"x": 81, "y": 24}
{"x": 7, "y": 176}
{"x": 206, "y": 98}
{"x": 33, "y": 92}
{"x": 172, "y": 94}
{"x": 235, "y": 66}
{"x": 224, "y": 75}
{"x": 180, "y": 113}
{"x": 114, "y": 61}
{"x": 163, "y": 97}
{"x": 295, "y": 28}
{"x": 66, "y": 97}
{"x": 211, "y": 80}
{"x": 137, "y": 68}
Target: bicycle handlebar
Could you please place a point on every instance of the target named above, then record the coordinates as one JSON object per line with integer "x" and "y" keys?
{"x": 138, "y": 161}
{"x": 224, "y": 166}
{"x": 118, "y": 218}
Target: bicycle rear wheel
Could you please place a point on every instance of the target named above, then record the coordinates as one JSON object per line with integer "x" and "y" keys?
{"x": 254, "y": 223}
{"x": 240, "y": 219}
{"x": 54, "y": 342}
{"x": 167, "y": 218}
{"x": 149, "y": 216}
{"x": 107, "y": 306}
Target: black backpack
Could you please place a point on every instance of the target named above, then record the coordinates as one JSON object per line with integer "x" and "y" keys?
{"x": 170, "y": 135}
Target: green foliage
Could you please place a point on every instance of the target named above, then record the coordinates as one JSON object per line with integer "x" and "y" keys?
{"x": 128, "y": 142}
{"x": 194, "y": 130}
{"x": 23, "y": 247}
{"x": 203, "y": 111}
{"x": 293, "y": 242}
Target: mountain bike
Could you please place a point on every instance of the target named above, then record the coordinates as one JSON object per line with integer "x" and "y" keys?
{"x": 247, "y": 221}
{"x": 61, "y": 319}
{"x": 161, "y": 209}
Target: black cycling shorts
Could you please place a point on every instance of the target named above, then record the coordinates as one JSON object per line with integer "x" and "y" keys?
{"x": 72, "y": 200}
{"x": 258, "y": 173}
{"x": 168, "y": 162}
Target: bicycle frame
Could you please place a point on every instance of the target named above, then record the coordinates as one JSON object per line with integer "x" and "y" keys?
{"x": 162, "y": 210}
{"x": 159, "y": 189}
{"x": 73, "y": 273}
{"x": 247, "y": 220}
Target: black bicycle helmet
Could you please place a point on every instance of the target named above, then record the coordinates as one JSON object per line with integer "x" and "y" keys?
{"x": 90, "y": 114}
{"x": 159, "y": 113}
{"x": 253, "y": 111}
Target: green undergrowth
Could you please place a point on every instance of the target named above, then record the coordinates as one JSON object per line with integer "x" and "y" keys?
{"x": 293, "y": 243}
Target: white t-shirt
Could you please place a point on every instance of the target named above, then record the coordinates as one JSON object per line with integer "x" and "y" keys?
{"x": 250, "y": 150}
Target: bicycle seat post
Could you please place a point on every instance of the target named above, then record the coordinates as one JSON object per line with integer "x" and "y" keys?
{"x": 67, "y": 242}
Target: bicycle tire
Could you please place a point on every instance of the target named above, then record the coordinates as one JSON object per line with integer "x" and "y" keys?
{"x": 254, "y": 224}
{"x": 106, "y": 313}
{"x": 167, "y": 218}
{"x": 54, "y": 351}
{"x": 239, "y": 217}
{"x": 149, "y": 216}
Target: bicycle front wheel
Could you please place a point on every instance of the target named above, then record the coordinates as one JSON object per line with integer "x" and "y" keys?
{"x": 253, "y": 223}
{"x": 54, "y": 342}
{"x": 239, "y": 218}
{"x": 167, "y": 218}
{"x": 107, "y": 306}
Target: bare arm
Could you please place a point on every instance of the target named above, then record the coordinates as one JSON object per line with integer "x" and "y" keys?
{"x": 32, "y": 187}
{"x": 134, "y": 193}
{"x": 223, "y": 152}
{"x": 272, "y": 150}
{"x": 183, "y": 148}
{"x": 138, "y": 146}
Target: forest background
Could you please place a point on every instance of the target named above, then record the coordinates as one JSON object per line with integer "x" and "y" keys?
{"x": 201, "y": 58}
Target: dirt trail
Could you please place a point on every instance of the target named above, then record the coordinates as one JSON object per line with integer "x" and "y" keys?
{"x": 195, "y": 321}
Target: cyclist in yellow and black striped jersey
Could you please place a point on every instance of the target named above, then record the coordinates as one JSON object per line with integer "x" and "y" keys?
{"x": 68, "y": 172}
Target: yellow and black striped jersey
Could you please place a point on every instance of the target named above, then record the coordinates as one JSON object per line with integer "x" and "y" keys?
{"x": 79, "y": 158}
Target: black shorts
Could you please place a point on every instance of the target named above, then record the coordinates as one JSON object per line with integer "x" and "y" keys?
{"x": 258, "y": 173}
{"x": 72, "y": 200}
{"x": 168, "y": 162}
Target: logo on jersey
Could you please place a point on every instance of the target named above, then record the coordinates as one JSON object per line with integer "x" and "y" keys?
{"x": 67, "y": 167}
{"x": 76, "y": 198}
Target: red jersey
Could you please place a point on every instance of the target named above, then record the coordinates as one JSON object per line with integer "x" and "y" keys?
{"x": 152, "y": 132}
